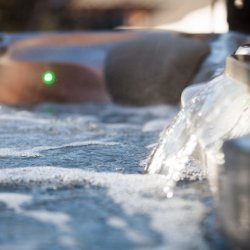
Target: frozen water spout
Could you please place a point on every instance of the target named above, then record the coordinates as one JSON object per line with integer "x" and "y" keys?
{"x": 212, "y": 114}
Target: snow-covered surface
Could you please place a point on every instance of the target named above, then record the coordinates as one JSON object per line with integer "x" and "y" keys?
{"x": 70, "y": 178}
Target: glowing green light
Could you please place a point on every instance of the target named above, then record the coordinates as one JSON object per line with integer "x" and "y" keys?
{"x": 49, "y": 77}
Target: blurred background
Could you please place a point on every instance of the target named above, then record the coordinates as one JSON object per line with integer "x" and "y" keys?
{"x": 196, "y": 16}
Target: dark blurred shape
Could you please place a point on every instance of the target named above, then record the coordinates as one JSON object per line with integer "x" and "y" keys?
{"x": 238, "y": 15}
{"x": 154, "y": 69}
{"x": 17, "y": 15}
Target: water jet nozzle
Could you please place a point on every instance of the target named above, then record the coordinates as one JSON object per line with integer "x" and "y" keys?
{"x": 238, "y": 65}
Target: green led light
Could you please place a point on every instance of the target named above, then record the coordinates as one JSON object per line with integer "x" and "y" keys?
{"x": 49, "y": 77}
